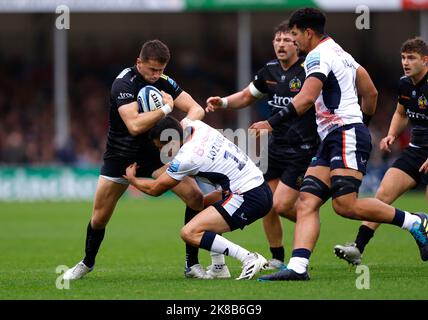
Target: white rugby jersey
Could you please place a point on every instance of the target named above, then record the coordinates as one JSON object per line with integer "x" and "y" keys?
{"x": 337, "y": 104}
{"x": 209, "y": 155}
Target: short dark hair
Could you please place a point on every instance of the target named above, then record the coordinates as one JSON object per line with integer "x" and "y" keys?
{"x": 417, "y": 45}
{"x": 281, "y": 28}
{"x": 168, "y": 122}
{"x": 308, "y": 18}
{"x": 155, "y": 50}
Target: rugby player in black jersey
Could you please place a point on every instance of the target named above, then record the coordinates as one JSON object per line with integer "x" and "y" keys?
{"x": 128, "y": 142}
{"x": 411, "y": 167}
{"x": 291, "y": 145}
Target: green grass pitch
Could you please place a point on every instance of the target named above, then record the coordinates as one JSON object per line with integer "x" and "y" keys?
{"x": 142, "y": 256}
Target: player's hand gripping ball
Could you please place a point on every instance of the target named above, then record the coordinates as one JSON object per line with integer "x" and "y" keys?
{"x": 149, "y": 98}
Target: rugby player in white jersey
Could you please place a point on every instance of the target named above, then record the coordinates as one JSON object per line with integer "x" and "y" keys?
{"x": 291, "y": 145}
{"x": 244, "y": 196}
{"x": 333, "y": 79}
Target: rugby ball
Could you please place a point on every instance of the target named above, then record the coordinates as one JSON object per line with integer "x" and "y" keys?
{"x": 149, "y": 98}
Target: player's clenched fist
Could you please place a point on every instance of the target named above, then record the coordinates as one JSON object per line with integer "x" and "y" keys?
{"x": 386, "y": 142}
{"x": 260, "y": 127}
{"x": 131, "y": 171}
{"x": 424, "y": 167}
{"x": 214, "y": 103}
{"x": 167, "y": 99}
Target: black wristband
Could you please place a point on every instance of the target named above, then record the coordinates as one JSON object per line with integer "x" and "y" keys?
{"x": 288, "y": 112}
{"x": 366, "y": 119}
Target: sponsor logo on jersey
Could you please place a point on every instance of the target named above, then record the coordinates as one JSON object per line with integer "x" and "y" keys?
{"x": 173, "y": 166}
{"x": 279, "y": 101}
{"x": 313, "y": 61}
{"x": 422, "y": 102}
{"x": 416, "y": 115}
{"x": 295, "y": 84}
{"x": 125, "y": 95}
{"x": 413, "y": 93}
{"x": 282, "y": 78}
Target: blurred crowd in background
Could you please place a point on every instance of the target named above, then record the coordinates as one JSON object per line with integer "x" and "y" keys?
{"x": 27, "y": 110}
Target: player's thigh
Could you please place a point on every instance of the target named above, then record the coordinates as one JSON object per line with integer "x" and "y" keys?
{"x": 347, "y": 173}
{"x": 394, "y": 183}
{"x": 315, "y": 190}
{"x": 320, "y": 172}
{"x": 107, "y": 194}
{"x": 345, "y": 184}
{"x": 208, "y": 219}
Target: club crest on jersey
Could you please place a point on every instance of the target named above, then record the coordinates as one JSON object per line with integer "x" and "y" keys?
{"x": 422, "y": 102}
{"x": 295, "y": 84}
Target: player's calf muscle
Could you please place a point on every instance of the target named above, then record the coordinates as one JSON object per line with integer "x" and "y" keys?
{"x": 347, "y": 206}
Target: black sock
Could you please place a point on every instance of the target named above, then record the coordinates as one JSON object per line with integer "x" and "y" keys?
{"x": 363, "y": 237}
{"x": 398, "y": 218}
{"x": 93, "y": 242}
{"x": 191, "y": 252}
{"x": 277, "y": 253}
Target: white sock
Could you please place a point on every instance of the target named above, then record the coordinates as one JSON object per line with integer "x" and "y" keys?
{"x": 409, "y": 220}
{"x": 298, "y": 264}
{"x": 217, "y": 259}
{"x": 224, "y": 246}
